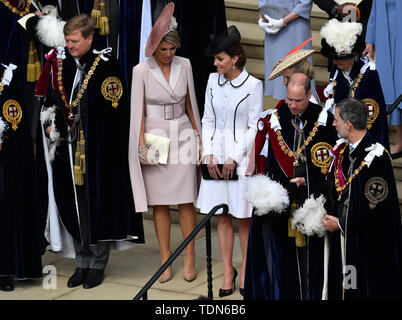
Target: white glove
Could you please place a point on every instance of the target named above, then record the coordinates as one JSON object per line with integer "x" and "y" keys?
{"x": 273, "y": 23}
{"x": 264, "y": 26}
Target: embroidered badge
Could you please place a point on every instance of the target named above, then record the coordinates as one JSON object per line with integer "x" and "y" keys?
{"x": 373, "y": 110}
{"x": 320, "y": 156}
{"x": 376, "y": 190}
{"x": 12, "y": 113}
{"x": 112, "y": 90}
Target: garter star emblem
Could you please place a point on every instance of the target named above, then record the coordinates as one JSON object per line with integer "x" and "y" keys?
{"x": 320, "y": 156}
{"x": 376, "y": 190}
{"x": 112, "y": 90}
{"x": 373, "y": 110}
{"x": 12, "y": 113}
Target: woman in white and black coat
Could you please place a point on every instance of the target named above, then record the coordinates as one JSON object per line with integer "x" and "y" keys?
{"x": 233, "y": 101}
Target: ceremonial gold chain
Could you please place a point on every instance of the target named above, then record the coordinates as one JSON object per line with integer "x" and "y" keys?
{"x": 355, "y": 85}
{"x": 83, "y": 87}
{"x": 350, "y": 179}
{"x": 17, "y": 11}
{"x": 286, "y": 149}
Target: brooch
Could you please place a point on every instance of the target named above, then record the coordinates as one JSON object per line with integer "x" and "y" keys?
{"x": 112, "y": 89}
{"x": 320, "y": 156}
{"x": 376, "y": 190}
{"x": 12, "y": 113}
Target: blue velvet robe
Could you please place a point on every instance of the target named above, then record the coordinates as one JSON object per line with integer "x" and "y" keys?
{"x": 369, "y": 88}
{"x": 272, "y": 269}
{"x": 21, "y": 225}
{"x": 108, "y": 199}
{"x": 373, "y": 235}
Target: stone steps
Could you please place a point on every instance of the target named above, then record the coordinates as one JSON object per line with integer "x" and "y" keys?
{"x": 244, "y": 15}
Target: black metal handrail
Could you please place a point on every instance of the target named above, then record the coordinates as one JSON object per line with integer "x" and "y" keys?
{"x": 205, "y": 222}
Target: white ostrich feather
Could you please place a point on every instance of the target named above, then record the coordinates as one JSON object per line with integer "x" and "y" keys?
{"x": 3, "y": 127}
{"x": 266, "y": 195}
{"x": 50, "y": 115}
{"x": 50, "y": 31}
{"x": 341, "y": 35}
{"x": 172, "y": 25}
{"x": 307, "y": 219}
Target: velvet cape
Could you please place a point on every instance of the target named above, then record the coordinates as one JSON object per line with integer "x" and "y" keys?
{"x": 272, "y": 267}
{"x": 21, "y": 227}
{"x": 369, "y": 88}
{"x": 111, "y": 210}
{"x": 373, "y": 236}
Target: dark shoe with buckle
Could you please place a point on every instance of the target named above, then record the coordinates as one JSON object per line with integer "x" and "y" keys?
{"x": 93, "y": 279}
{"x": 228, "y": 292}
{"x": 77, "y": 278}
{"x": 6, "y": 283}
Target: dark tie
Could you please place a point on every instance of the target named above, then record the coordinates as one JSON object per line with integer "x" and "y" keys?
{"x": 297, "y": 123}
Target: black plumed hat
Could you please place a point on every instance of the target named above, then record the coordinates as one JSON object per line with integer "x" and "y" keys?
{"x": 223, "y": 40}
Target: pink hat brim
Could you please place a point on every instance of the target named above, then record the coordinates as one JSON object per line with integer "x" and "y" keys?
{"x": 159, "y": 29}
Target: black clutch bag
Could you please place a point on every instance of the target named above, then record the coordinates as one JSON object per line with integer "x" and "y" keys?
{"x": 206, "y": 176}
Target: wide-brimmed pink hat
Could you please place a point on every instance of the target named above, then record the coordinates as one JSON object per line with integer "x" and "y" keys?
{"x": 159, "y": 29}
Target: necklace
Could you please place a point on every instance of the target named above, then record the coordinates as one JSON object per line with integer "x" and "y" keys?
{"x": 83, "y": 86}
{"x": 18, "y": 11}
{"x": 354, "y": 88}
{"x": 339, "y": 188}
{"x": 298, "y": 153}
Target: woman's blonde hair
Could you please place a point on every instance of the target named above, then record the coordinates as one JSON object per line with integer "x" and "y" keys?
{"x": 172, "y": 37}
{"x": 304, "y": 67}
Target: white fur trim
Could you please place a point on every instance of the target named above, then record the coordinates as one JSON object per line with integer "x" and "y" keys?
{"x": 3, "y": 127}
{"x": 172, "y": 25}
{"x": 307, "y": 219}
{"x": 266, "y": 195}
{"x": 341, "y": 35}
{"x": 50, "y": 31}
{"x": 50, "y": 115}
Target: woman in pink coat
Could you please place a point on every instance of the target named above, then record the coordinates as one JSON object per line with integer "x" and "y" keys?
{"x": 163, "y": 104}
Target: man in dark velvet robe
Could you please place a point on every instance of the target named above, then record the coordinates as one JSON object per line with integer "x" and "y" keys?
{"x": 21, "y": 228}
{"x": 363, "y": 214}
{"x": 282, "y": 263}
{"x": 356, "y": 77}
{"x": 89, "y": 131}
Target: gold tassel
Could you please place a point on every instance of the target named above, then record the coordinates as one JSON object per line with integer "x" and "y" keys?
{"x": 78, "y": 176}
{"x": 291, "y": 231}
{"x": 95, "y": 14}
{"x": 82, "y": 164}
{"x": 31, "y": 63}
{"x": 81, "y": 150}
{"x": 38, "y": 67}
{"x": 104, "y": 21}
{"x": 300, "y": 239}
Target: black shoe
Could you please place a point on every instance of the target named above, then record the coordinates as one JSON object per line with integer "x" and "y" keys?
{"x": 77, "y": 278}
{"x": 241, "y": 290}
{"x": 228, "y": 292}
{"x": 6, "y": 283}
{"x": 94, "y": 278}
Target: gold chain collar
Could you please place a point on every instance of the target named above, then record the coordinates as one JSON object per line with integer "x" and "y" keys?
{"x": 83, "y": 86}
{"x": 339, "y": 189}
{"x": 355, "y": 85}
{"x": 298, "y": 152}
{"x": 18, "y": 11}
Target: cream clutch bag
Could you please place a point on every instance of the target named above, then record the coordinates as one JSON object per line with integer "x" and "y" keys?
{"x": 161, "y": 144}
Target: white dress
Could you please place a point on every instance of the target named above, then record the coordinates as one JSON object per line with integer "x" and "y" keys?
{"x": 229, "y": 126}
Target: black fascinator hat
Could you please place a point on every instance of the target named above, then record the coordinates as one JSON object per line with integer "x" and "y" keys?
{"x": 223, "y": 40}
